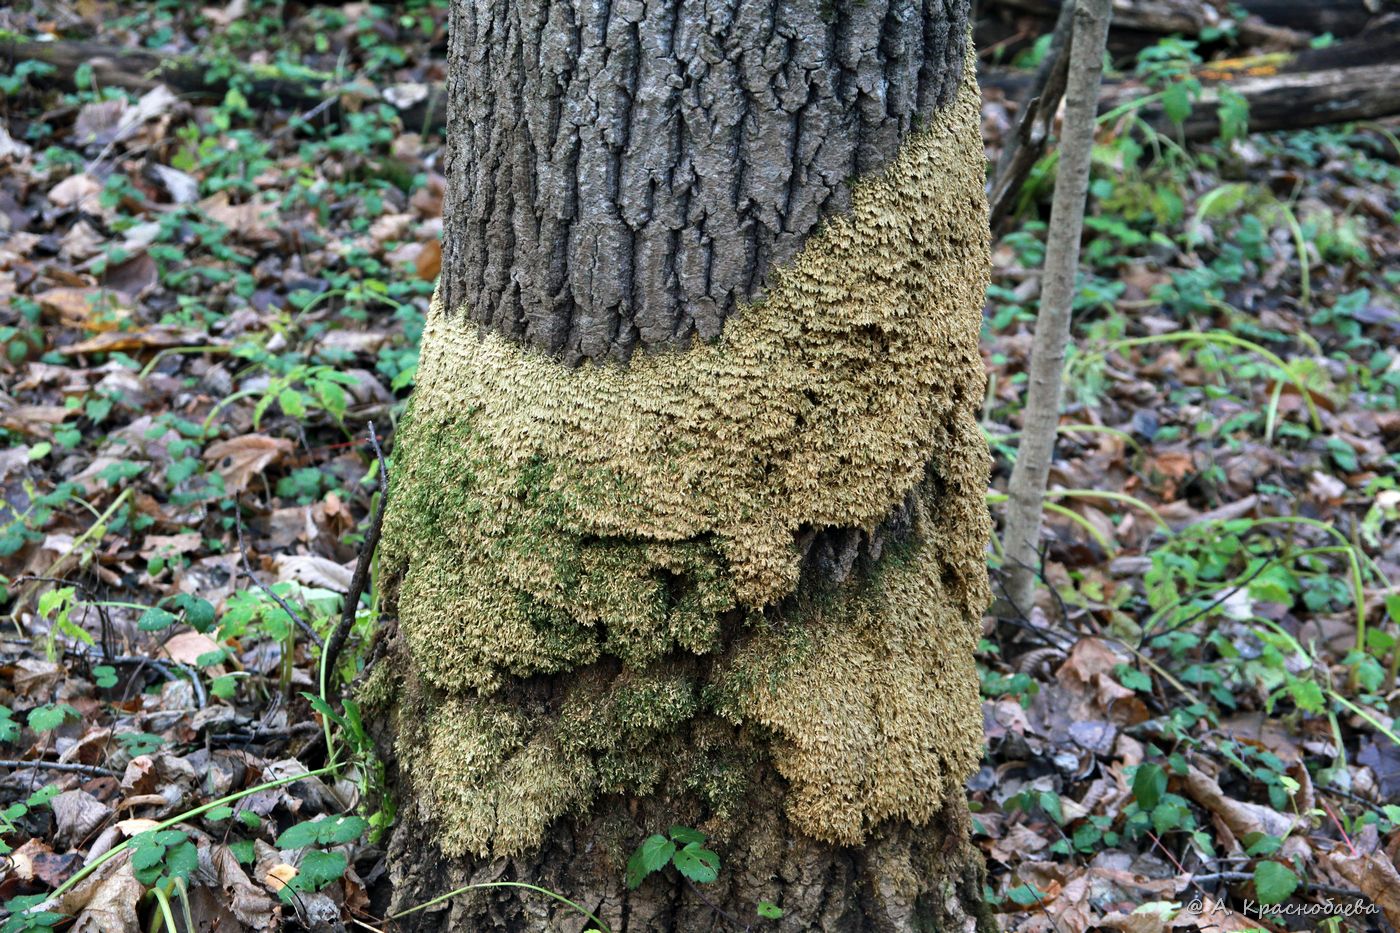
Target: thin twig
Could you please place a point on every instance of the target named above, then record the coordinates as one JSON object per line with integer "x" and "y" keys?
{"x": 360, "y": 578}
{"x": 248, "y": 570}
{"x": 89, "y": 770}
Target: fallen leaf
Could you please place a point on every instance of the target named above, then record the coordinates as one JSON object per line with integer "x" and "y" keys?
{"x": 76, "y": 815}
{"x": 239, "y": 459}
{"x": 187, "y": 647}
{"x": 314, "y": 571}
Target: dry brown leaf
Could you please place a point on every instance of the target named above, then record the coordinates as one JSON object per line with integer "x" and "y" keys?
{"x": 1243, "y": 819}
{"x": 246, "y": 900}
{"x": 245, "y": 221}
{"x": 147, "y": 338}
{"x": 105, "y": 901}
{"x": 238, "y": 459}
{"x": 279, "y": 876}
{"x": 314, "y": 571}
{"x": 187, "y": 647}
{"x": 1371, "y": 870}
{"x": 76, "y": 815}
{"x": 168, "y": 545}
{"x": 75, "y": 191}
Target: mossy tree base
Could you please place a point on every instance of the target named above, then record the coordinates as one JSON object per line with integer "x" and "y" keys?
{"x": 736, "y": 586}
{"x": 905, "y": 879}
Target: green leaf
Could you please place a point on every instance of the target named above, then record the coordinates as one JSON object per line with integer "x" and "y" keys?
{"x": 199, "y": 613}
{"x": 652, "y": 855}
{"x": 224, "y": 687}
{"x": 697, "y": 864}
{"x": 293, "y": 405}
{"x": 343, "y": 829}
{"x": 318, "y": 869}
{"x": 1274, "y": 882}
{"x": 244, "y": 851}
{"x": 154, "y": 619}
{"x": 299, "y": 836}
{"x": 1149, "y": 784}
{"x": 147, "y": 855}
{"x": 1132, "y": 678}
{"x": 1176, "y": 102}
{"x": 105, "y": 676}
{"x": 685, "y": 835}
{"x": 50, "y": 716}
{"x": 182, "y": 860}
{"x": 219, "y": 813}
{"x": 9, "y": 729}
{"x": 769, "y": 911}
{"x": 1024, "y": 895}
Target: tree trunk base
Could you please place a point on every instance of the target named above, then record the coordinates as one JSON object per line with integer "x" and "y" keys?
{"x": 927, "y": 879}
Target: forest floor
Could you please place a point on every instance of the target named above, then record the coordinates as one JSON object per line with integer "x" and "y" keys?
{"x": 204, "y": 300}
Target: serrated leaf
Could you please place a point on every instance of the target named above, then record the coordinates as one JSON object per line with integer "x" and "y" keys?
{"x": 299, "y": 836}
{"x": 50, "y": 716}
{"x": 1274, "y": 882}
{"x": 697, "y": 864}
{"x": 219, "y": 813}
{"x": 199, "y": 613}
{"x": 154, "y": 619}
{"x": 685, "y": 835}
{"x": 243, "y": 850}
{"x": 652, "y": 855}
{"x": 148, "y": 855}
{"x": 343, "y": 829}
{"x": 181, "y": 860}
{"x": 318, "y": 869}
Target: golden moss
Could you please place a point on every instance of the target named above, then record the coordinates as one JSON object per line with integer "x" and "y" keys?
{"x": 544, "y": 518}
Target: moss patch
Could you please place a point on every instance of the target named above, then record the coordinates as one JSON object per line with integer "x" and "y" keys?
{"x": 616, "y": 523}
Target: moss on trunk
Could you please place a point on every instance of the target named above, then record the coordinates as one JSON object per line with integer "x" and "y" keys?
{"x": 596, "y": 569}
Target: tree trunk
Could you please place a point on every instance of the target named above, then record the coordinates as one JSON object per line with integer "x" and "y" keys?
{"x": 688, "y": 523}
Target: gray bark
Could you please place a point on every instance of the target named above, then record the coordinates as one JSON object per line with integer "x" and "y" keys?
{"x": 1041, "y": 416}
{"x": 624, "y": 174}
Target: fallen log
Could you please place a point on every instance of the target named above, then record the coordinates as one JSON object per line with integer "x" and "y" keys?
{"x": 1358, "y": 79}
{"x": 1264, "y": 20}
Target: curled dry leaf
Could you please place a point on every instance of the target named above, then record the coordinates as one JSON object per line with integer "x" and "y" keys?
{"x": 105, "y": 901}
{"x": 314, "y": 571}
{"x": 76, "y": 815}
{"x": 1368, "y": 867}
{"x": 239, "y": 459}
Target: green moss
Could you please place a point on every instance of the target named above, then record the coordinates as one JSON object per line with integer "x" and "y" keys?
{"x": 631, "y": 531}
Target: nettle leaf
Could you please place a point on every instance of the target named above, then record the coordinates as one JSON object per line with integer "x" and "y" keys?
{"x": 219, "y": 813}
{"x": 1132, "y": 678}
{"x": 343, "y": 829}
{"x": 298, "y": 837}
{"x": 769, "y": 911}
{"x": 697, "y": 864}
{"x": 317, "y": 870}
{"x": 685, "y": 835}
{"x": 154, "y": 619}
{"x": 1274, "y": 882}
{"x": 199, "y": 613}
{"x": 652, "y": 855}
{"x": 244, "y": 851}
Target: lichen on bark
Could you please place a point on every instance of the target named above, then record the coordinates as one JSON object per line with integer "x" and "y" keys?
{"x": 597, "y": 567}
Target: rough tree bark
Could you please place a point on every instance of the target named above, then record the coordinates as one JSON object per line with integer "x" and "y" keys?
{"x": 688, "y": 522}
